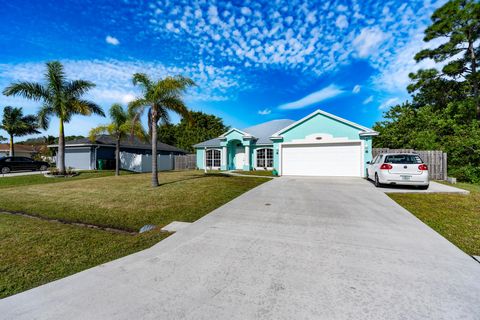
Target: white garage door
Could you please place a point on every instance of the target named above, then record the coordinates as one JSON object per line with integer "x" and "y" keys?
{"x": 334, "y": 160}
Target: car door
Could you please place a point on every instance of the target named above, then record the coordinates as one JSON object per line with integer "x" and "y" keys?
{"x": 29, "y": 164}
{"x": 376, "y": 165}
{"x": 370, "y": 167}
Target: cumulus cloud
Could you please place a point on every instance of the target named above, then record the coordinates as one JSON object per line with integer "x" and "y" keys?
{"x": 368, "y": 41}
{"x": 341, "y": 22}
{"x": 112, "y": 40}
{"x": 304, "y": 36}
{"x": 113, "y": 78}
{"x": 264, "y": 112}
{"x": 321, "y": 95}
{"x": 356, "y": 89}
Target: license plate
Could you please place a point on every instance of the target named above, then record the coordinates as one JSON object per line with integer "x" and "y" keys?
{"x": 406, "y": 177}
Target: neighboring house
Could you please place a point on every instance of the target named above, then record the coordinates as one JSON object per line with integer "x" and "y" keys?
{"x": 20, "y": 150}
{"x": 321, "y": 144}
{"x": 135, "y": 155}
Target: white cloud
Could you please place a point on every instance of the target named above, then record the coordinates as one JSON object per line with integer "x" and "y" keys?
{"x": 246, "y": 11}
{"x": 389, "y": 103}
{"x": 264, "y": 112}
{"x": 112, "y": 40}
{"x": 356, "y": 89}
{"x": 368, "y": 41}
{"x": 326, "y": 93}
{"x": 393, "y": 76}
{"x": 341, "y": 22}
{"x": 368, "y": 100}
{"x": 342, "y": 8}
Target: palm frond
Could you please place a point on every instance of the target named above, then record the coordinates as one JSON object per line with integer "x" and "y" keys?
{"x": 142, "y": 80}
{"x": 117, "y": 114}
{"x": 55, "y": 76}
{"x": 85, "y": 107}
{"x": 78, "y": 88}
{"x": 44, "y": 115}
{"x": 95, "y": 132}
{"x": 28, "y": 90}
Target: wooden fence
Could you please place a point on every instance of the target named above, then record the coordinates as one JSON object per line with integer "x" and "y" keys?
{"x": 185, "y": 162}
{"x": 436, "y": 160}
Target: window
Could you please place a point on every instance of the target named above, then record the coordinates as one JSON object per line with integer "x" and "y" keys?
{"x": 213, "y": 158}
{"x": 265, "y": 158}
{"x": 403, "y": 159}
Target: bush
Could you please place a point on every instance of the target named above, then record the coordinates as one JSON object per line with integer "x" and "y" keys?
{"x": 467, "y": 173}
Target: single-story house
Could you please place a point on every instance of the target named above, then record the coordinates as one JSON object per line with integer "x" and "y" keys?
{"x": 21, "y": 150}
{"x": 321, "y": 144}
{"x": 135, "y": 154}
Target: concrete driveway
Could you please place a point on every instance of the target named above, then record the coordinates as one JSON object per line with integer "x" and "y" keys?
{"x": 293, "y": 248}
{"x": 21, "y": 173}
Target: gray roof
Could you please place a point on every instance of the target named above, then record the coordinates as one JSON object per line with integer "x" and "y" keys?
{"x": 135, "y": 143}
{"x": 261, "y": 132}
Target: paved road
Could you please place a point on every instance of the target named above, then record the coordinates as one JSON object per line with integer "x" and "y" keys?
{"x": 293, "y": 248}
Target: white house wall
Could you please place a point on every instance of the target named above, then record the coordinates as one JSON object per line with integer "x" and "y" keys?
{"x": 143, "y": 162}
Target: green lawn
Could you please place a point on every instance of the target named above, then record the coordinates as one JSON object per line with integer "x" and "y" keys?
{"x": 40, "y": 179}
{"x": 34, "y": 251}
{"x": 456, "y": 217}
{"x": 266, "y": 173}
{"x": 128, "y": 202}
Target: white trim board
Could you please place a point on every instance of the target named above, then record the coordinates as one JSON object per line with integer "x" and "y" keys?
{"x": 366, "y": 130}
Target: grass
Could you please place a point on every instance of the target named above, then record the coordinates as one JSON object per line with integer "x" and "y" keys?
{"x": 40, "y": 179}
{"x": 128, "y": 202}
{"x": 34, "y": 251}
{"x": 456, "y": 217}
{"x": 265, "y": 173}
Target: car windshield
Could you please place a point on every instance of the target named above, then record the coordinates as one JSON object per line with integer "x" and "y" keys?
{"x": 403, "y": 159}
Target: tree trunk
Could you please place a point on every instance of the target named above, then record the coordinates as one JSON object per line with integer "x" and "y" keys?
{"x": 154, "y": 148}
{"x": 12, "y": 147}
{"x": 474, "y": 77}
{"x": 117, "y": 157}
{"x": 61, "y": 150}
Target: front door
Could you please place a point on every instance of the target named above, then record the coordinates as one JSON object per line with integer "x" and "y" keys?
{"x": 239, "y": 158}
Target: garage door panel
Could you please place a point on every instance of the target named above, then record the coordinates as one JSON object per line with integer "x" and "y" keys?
{"x": 342, "y": 160}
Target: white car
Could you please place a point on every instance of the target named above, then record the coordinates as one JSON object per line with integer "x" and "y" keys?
{"x": 398, "y": 169}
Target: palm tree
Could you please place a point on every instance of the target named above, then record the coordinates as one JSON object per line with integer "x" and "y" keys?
{"x": 61, "y": 98}
{"x": 16, "y": 124}
{"x": 121, "y": 126}
{"x": 159, "y": 97}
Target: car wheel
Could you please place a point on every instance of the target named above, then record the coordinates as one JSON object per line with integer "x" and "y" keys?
{"x": 377, "y": 182}
{"x": 424, "y": 187}
{"x": 43, "y": 168}
{"x": 5, "y": 170}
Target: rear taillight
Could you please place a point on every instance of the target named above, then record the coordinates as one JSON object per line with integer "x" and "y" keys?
{"x": 423, "y": 167}
{"x": 386, "y": 166}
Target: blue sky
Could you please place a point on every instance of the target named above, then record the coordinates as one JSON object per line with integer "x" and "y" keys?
{"x": 253, "y": 61}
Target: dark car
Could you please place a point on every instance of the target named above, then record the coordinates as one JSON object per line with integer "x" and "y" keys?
{"x": 8, "y": 164}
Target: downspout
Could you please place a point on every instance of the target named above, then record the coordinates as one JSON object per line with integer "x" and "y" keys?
{"x": 205, "y": 160}
{"x": 95, "y": 158}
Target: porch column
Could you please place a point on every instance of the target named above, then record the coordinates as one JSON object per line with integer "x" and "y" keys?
{"x": 223, "y": 159}
{"x": 247, "y": 158}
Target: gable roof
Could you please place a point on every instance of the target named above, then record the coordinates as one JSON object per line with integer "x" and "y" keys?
{"x": 366, "y": 131}
{"x": 260, "y": 132}
{"x": 264, "y": 131}
{"x": 109, "y": 141}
